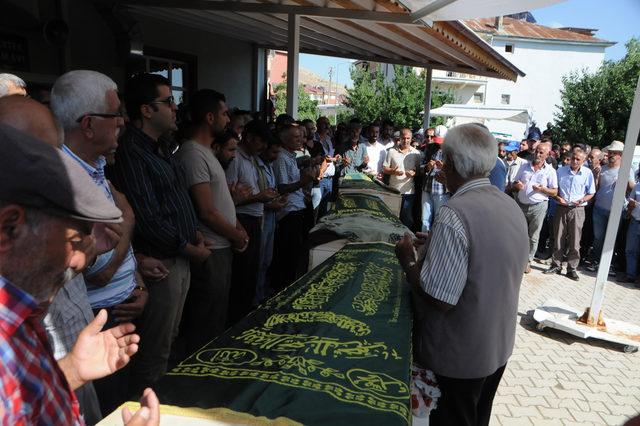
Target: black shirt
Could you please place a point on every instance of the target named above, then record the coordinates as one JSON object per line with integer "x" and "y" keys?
{"x": 154, "y": 185}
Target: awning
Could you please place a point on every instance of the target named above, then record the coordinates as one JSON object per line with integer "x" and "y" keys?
{"x": 452, "y": 10}
{"x": 372, "y": 30}
{"x": 519, "y": 115}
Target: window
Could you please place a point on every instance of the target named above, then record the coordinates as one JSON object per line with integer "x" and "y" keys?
{"x": 505, "y": 99}
{"x": 177, "y": 67}
{"x": 478, "y": 98}
{"x": 509, "y": 48}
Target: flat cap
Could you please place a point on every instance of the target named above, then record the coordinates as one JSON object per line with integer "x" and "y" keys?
{"x": 35, "y": 174}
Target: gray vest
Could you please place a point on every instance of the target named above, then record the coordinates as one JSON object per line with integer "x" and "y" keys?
{"x": 475, "y": 338}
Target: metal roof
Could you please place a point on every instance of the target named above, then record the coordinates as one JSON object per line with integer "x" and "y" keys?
{"x": 523, "y": 29}
{"x": 372, "y": 30}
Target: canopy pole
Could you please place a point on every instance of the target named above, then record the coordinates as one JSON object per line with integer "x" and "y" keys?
{"x": 619, "y": 194}
{"x": 427, "y": 100}
{"x": 293, "y": 53}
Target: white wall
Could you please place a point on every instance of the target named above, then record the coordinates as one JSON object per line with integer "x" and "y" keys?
{"x": 544, "y": 64}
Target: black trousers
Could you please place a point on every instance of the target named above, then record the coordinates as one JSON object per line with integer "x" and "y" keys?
{"x": 244, "y": 273}
{"x": 465, "y": 402}
{"x": 288, "y": 250}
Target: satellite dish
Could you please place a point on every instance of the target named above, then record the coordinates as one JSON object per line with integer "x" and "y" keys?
{"x": 55, "y": 32}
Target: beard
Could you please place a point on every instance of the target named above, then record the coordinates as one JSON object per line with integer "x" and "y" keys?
{"x": 35, "y": 273}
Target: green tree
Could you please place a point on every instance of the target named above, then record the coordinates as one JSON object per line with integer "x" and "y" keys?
{"x": 595, "y": 107}
{"x": 372, "y": 97}
{"x": 440, "y": 97}
{"x": 307, "y": 107}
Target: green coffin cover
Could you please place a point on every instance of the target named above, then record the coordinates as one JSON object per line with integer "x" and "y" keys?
{"x": 334, "y": 348}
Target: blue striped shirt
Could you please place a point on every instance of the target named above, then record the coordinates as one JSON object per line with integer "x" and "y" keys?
{"x": 123, "y": 281}
{"x": 445, "y": 268}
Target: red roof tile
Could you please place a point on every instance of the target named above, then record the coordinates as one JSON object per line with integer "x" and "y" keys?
{"x": 517, "y": 28}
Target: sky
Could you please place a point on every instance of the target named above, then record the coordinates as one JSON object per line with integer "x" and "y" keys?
{"x": 616, "y": 20}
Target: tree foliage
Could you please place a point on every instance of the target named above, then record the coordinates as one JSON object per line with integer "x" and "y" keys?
{"x": 307, "y": 107}
{"x": 400, "y": 100}
{"x": 595, "y": 107}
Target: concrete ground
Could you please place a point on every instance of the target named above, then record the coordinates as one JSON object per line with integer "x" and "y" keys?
{"x": 557, "y": 379}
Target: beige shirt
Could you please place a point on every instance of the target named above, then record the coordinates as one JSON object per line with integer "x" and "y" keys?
{"x": 200, "y": 166}
{"x": 404, "y": 161}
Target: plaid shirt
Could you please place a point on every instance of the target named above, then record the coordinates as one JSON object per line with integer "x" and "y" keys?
{"x": 33, "y": 389}
{"x": 431, "y": 185}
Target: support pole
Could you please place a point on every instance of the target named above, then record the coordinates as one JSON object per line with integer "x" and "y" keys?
{"x": 631, "y": 139}
{"x": 427, "y": 101}
{"x": 293, "y": 52}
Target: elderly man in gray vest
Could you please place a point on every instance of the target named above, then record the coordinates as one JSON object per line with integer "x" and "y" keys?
{"x": 465, "y": 303}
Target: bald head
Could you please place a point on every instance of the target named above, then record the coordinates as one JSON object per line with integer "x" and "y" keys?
{"x": 30, "y": 117}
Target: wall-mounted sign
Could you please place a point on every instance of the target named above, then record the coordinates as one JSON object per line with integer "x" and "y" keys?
{"x": 14, "y": 52}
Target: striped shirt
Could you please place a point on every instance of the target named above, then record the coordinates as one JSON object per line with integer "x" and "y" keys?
{"x": 243, "y": 169}
{"x": 286, "y": 171}
{"x": 154, "y": 185}
{"x": 67, "y": 315}
{"x": 33, "y": 389}
{"x": 444, "y": 271}
{"x": 123, "y": 281}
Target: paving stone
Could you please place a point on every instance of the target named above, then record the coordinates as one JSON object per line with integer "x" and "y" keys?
{"x": 510, "y": 421}
{"x": 614, "y": 420}
{"x": 524, "y": 412}
{"x": 582, "y": 416}
{"x": 555, "y": 413}
{"x": 535, "y": 401}
{"x": 599, "y": 407}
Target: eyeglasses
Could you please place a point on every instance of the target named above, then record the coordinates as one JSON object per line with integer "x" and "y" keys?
{"x": 105, "y": 115}
{"x": 170, "y": 100}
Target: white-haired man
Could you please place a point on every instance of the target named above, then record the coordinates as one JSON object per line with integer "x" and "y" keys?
{"x": 462, "y": 298}
{"x": 87, "y": 106}
{"x": 12, "y": 85}
{"x": 535, "y": 182}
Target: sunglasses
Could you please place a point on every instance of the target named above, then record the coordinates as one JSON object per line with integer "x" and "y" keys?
{"x": 170, "y": 100}
{"x": 105, "y": 115}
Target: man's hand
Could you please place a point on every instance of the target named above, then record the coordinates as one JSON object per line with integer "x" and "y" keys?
{"x": 346, "y": 161}
{"x": 405, "y": 251}
{"x": 632, "y": 204}
{"x": 366, "y": 160}
{"x": 151, "y": 268}
{"x": 518, "y": 185}
{"x": 107, "y": 236}
{"x": 441, "y": 177}
{"x": 239, "y": 192}
{"x": 561, "y": 201}
{"x": 147, "y": 415}
{"x": 97, "y": 353}
{"x": 266, "y": 195}
{"x": 430, "y": 165}
{"x": 240, "y": 240}
{"x": 538, "y": 188}
{"x": 131, "y": 309}
{"x": 410, "y": 173}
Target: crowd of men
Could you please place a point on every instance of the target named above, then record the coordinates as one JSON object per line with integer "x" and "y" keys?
{"x": 186, "y": 222}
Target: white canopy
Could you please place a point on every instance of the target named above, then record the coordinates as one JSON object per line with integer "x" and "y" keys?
{"x": 519, "y": 115}
{"x": 453, "y": 10}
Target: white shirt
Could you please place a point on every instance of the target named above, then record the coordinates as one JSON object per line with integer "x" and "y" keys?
{"x": 545, "y": 176}
{"x": 376, "y": 153}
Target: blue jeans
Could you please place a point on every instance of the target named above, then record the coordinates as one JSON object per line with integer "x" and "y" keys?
{"x": 431, "y": 203}
{"x": 266, "y": 255}
{"x": 326, "y": 186}
{"x": 600, "y": 220}
{"x": 631, "y": 249}
{"x": 406, "y": 210}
